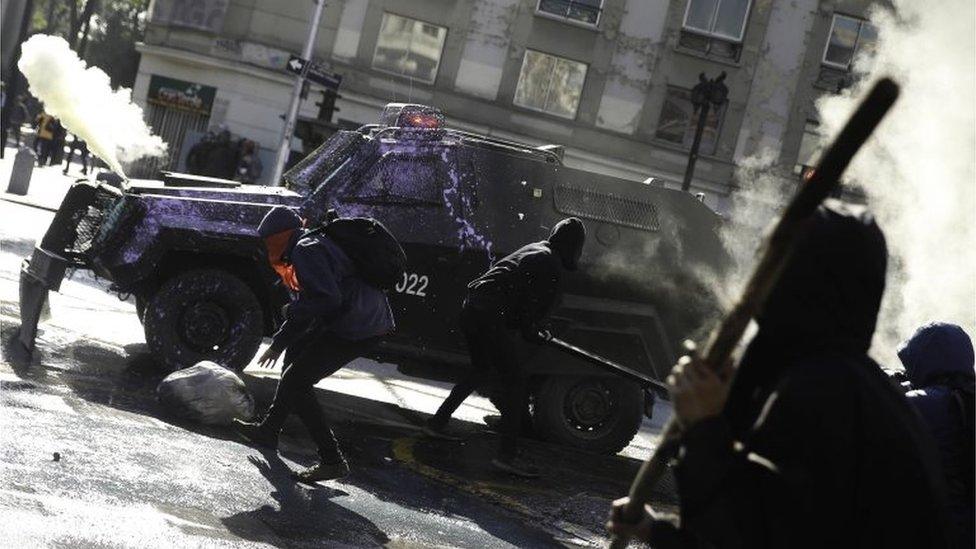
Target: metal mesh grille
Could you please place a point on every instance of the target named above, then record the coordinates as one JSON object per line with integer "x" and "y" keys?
{"x": 88, "y": 219}
{"x": 606, "y": 207}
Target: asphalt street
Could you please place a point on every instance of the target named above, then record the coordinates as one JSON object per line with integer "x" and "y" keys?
{"x": 128, "y": 475}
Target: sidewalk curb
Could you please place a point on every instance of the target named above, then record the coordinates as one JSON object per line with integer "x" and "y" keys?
{"x": 14, "y": 199}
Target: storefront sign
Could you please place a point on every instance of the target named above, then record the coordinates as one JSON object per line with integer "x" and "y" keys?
{"x": 180, "y": 94}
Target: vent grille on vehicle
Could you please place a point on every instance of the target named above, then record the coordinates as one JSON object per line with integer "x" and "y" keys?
{"x": 607, "y": 207}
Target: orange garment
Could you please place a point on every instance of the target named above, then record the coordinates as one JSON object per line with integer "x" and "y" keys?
{"x": 44, "y": 123}
{"x": 276, "y": 245}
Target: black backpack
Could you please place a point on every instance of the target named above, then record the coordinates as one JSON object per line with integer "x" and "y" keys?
{"x": 379, "y": 259}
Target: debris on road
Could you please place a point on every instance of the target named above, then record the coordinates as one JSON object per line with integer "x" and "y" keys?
{"x": 206, "y": 393}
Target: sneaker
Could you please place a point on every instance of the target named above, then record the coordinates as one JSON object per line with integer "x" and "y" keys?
{"x": 255, "y": 433}
{"x": 516, "y": 467}
{"x": 322, "y": 471}
{"x": 440, "y": 433}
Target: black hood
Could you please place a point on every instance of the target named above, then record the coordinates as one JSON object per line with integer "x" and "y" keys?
{"x": 825, "y": 302}
{"x": 566, "y": 239}
{"x": 938, "y": 351}
{"x": 830, "y": 290}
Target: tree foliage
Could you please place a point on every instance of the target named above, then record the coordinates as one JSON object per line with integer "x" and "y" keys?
{"x": 103, "y": 32}
{"x": 112, "y": 46}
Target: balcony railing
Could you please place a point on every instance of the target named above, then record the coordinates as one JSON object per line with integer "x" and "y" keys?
{"x": 575, "y": 10}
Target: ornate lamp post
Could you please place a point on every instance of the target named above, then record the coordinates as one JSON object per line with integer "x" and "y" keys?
{"x": 704, "y": 95}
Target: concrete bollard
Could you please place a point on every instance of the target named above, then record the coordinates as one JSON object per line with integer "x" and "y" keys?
{"x": 20, "y": 175}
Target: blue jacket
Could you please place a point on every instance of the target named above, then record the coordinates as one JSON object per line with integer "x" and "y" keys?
{"x": 938, "y": 361}
{"x": 332, "y": 298}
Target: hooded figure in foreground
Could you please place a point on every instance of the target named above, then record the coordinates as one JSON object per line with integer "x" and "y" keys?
{"x": 938, "y": 362}
{"x": 515, "y": 295}
{"x": 812, "y": 445}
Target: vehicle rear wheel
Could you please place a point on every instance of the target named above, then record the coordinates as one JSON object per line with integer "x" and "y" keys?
{"x": 597, "y": 414}
{"x": 205, "y": 314}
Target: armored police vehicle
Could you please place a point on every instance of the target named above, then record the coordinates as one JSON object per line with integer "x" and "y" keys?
{"x": 186, "y": 249}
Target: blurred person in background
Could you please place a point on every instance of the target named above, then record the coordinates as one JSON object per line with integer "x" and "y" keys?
{"x": 249, "y": 166}
{"x": 45, "y": 125}
{"x": 938, "y": 361}
{"x": 82, "y": 148}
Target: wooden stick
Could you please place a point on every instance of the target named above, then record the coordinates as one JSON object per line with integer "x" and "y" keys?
{"x": 792, "y": 224}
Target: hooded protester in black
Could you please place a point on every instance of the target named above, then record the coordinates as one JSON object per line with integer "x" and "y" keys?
{"x": 516, "y": 293}
{"x": 523, "y": 287}
{"x": 815, "y": 447}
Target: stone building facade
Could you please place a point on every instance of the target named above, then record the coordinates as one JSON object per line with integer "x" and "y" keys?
{"x": 608, "y": 80}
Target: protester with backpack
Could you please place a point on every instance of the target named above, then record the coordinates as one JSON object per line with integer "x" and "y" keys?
{"x": 938, "y": 362}
{"x": 335, "y": 316}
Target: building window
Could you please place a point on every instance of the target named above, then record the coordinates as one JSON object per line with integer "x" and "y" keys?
{"x": 584, "y": 11}
{"x": 408, "y": 47}
{"x": 849, "y": 38}
{"x": 550, "y": 84}
{"x": 679, "y": 120}
{"x": 719, "y": 18}
{"x": 715, "y": 27}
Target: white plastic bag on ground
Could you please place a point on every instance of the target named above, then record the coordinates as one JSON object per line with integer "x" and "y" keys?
{"x": 207, "y": 393}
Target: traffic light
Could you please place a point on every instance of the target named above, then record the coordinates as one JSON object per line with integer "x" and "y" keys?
{"x": 327, "y": 106}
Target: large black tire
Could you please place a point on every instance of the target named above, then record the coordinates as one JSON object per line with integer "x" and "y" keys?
{"x": 204, "y": 314}
{"x": 596, "y": 414}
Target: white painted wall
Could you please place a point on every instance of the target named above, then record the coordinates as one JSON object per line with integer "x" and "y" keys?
{"x": 633, "y": 59}
{"x": 777, "y": 75}
{"x": 486, "y": 48}
{"x": 350, "y": 28}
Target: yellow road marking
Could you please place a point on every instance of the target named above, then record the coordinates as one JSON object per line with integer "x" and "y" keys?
{"x": 403, "y": 451}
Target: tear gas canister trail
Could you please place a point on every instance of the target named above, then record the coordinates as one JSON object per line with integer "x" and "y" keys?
{"x": 83, "y": 99}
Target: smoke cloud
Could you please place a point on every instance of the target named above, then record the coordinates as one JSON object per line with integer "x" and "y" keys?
{"x": 82, "y": 98}
{"x": 760, "y": 198}
{"x": 919, "y": 171}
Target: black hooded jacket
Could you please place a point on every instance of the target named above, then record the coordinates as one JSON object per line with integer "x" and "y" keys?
{"x": 816, "y": 447}
{"x": 524, "y": 286}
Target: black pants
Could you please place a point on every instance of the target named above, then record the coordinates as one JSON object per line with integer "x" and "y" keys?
{"x": 315, "y": 358}
{"x": 83, "y": 151}
{"x": 44, "y": 148}
{"x": 495, "y": 361}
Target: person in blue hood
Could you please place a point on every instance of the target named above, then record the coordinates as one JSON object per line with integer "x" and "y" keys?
{"x": 938, "y": 361}
{"x": 333, "y": 318}
{"x": 809, "y": 445}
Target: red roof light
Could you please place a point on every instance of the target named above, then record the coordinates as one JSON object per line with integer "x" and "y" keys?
{"x": 419, "y": 120}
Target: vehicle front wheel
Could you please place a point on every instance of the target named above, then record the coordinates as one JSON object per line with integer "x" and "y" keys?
{"x": 597, "y": 414}
{"x": 204, "y": 314}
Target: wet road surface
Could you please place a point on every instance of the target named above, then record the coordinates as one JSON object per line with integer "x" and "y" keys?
{"x": 130, "y": 476}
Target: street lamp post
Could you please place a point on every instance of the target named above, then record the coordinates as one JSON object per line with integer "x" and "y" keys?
{"x": 288, "y": 129}
{"x": 704, "y": 95}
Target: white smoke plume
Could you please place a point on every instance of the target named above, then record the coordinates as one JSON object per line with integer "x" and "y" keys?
{"x": 82, "y": 98}
{"x": 759, "y": 199}
{"x": 918, "y": 170}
